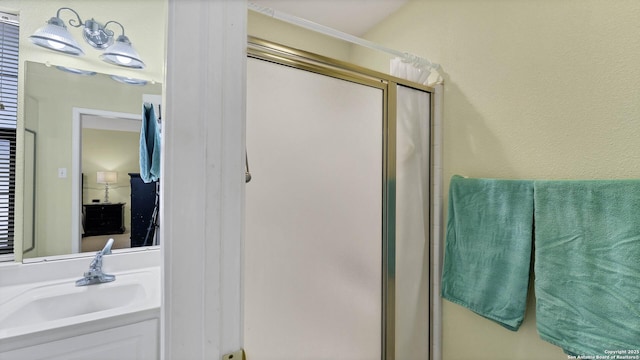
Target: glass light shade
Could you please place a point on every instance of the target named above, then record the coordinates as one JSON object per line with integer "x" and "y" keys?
{"x": 54, "y": 36}
{"x": 107, "y": 177}
{"x": 122, "y": 53}
{"x": 76, "y": 71}
{"x": 128, "y": 80}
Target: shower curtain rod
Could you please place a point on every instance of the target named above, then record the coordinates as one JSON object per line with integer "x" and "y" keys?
{"x": 292, "y": 19}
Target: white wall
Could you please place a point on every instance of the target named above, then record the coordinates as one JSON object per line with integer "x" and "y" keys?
{"x": 203, "y": 172}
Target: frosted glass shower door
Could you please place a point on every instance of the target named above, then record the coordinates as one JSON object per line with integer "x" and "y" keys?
{"x": 313, "y": 243}
{"x": 412, "y": 223}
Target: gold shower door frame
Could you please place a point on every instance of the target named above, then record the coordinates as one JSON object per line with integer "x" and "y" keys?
{"x": 299, "y": 59}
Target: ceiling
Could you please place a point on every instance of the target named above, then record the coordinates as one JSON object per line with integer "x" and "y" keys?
{"x": 354, "y": 17}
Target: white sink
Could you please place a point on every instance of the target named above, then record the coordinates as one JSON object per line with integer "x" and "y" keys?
{"x": 52, "y": 302}
{"x": 56, "y": 303}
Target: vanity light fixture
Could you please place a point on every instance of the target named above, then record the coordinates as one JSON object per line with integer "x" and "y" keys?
{"x": 55, "y": 36}
{"x": 128, "y": 80}
{"x": 122, "y": 53}
{"x": 76, "y": 71}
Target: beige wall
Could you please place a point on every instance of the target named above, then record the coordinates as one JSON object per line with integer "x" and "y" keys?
{"x": 533, "y": 89}
{"x": 277, "y": 31}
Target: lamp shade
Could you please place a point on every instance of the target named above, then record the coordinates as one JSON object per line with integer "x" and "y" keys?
{"x": 54, "y": 36}
{"x": 107, "y": 177}
{"x": 122, "y": 53}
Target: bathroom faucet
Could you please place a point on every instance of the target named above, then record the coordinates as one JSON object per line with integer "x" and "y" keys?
{"x": 95, "y": 274}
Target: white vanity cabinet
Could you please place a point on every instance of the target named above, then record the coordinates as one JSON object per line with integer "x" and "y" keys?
{"x": 44, "y": 315}
{"x": 139, "y": 341}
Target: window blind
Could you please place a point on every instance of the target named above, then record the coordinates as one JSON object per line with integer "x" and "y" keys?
{"x": 9, "y": 30}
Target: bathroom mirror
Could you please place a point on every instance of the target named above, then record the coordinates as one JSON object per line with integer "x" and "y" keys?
{"x": 45, "y": 182}
{"x": 91, "y": 121}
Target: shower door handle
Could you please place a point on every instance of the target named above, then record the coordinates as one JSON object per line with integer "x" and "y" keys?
{"x": 247, "y": 174}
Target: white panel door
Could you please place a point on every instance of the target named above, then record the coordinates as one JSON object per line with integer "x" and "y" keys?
{"x": 313, "y": 242}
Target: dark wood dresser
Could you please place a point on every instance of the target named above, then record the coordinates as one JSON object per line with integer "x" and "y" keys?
{"x": 103, "y": 219}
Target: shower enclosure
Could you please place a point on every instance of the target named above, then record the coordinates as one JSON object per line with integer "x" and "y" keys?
{"x": 337, "y": 245}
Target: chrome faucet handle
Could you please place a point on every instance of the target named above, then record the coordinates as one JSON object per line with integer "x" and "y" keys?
{"x": 107, "y": 247}
{"x": 95, "y": 275}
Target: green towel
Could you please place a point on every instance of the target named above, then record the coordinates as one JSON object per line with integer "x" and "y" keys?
{"x": 488, "y": 247}
{"x": 587, "y": 265}
{"x": 149, "y": 145}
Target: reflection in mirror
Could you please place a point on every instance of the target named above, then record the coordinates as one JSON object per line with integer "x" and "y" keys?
{"x": 82, "y": 144}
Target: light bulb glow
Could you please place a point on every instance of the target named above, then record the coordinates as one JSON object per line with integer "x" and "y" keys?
{"x": 56, "y": 44}
{"x": 123, "y": 60}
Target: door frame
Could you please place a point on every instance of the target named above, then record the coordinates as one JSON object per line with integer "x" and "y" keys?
{"x": 280, "y": 54}
{"x": 76, "y": 166}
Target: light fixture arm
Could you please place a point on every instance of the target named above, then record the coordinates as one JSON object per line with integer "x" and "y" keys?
{"x": 115, "y": 22}
{"x": 72, "y": 21}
